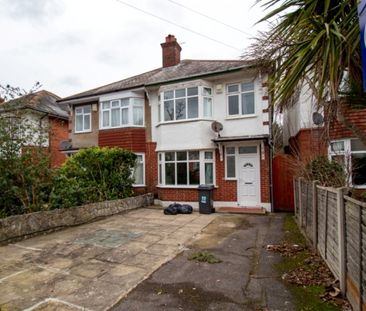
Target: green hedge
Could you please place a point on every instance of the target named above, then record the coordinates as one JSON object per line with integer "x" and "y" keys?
{"x": 93, "y": 175}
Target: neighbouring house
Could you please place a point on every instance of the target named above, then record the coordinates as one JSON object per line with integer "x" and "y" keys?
{"x": 306, "y": 137}
{"x": 41, "y": 109}
{"x": 190, "y": 122}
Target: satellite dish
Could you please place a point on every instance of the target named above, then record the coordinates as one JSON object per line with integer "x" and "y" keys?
{"x": 65, "y": 145}
{"x": 317, "y": 118}
{"x": 217, "y": 127}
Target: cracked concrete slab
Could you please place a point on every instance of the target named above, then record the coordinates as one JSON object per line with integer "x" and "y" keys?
{"x": 92, "y": 266}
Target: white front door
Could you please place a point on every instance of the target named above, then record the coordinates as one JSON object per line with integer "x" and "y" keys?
{"x": 248, "y": 179}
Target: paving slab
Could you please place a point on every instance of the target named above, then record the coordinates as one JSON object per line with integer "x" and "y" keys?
{"x": 93, "y": 266}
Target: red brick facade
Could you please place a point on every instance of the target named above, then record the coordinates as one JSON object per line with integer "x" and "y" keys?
{"x": 58, "y": 133}
{"x": 133, "y": 139}
{"x": 265, "y": 176}
{"x": 308, "y": 143}
{"x": 355, "y": 116}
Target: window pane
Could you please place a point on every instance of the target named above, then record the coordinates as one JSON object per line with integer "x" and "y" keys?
{"x": 249, "y": 149}
{"x": 194, "y": 173}
{"x": 169, "y": 156}
{"x": 191, "y": 91}
{"x": 182, "y": 155}
{"x": 337, "y": 146}
{"x": 230, "y": 150}
{"x": 208, "y": 173}
{"x": 208, "y": 155}
{"x": 207, "y": 107}
{"x": 125, "y": 102}
{"x": 230, "y": 166}
{"x": 207, "y": 91}
{"x": 233, "y": 105}
{"x": 248, "y": 86}
{"x": 124, "y": 116}
{"x": 160, "y": 174}
{"x": 168, "y": 95}
{"x": 115, "y": 103}
{"x": 78, "y": 110}
{"x": 233, "y": 88}
{"x": 180, "y": 93}
{"x": 339, "y": 159}
{"x": 139, "y": 174}
{"x": 357, "y": 145}
{"x": 359, "y": 169}
{"x": 247, "y": 103}
{"x": 180, "y": 109}
{"x": 87, "y": 109}
{"x": 182, "y": 173}
{"x": 79, "y": 123}
{"x": 138, "y": 115}
{"x": 192, "y": 107}
{"x": 194, "y": 155}
{"x": 106, "y": 105}
{"x": 170, "y": 174}
{"x": 105, "y": 118}
{"x": 116, "y": 117}
{"x": 138, "y": 102}
{"x": 160, "y": 157}
{"x": 168, "y": 110}
{"x": 159, "y": 113}
{"x": 86, "y": 122}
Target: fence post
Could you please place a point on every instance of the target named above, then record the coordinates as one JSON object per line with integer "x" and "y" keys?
{"x": 341, "y": 240}
{"x": 315, "y": 215}
{"x": 300, "y": 202}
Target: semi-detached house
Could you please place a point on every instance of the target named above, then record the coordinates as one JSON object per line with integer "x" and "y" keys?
{"x": 165, "y": 117}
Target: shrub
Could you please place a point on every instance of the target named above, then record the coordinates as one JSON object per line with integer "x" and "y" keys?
{"x": 93, "y": 175}
{"x": 328, "y": 173}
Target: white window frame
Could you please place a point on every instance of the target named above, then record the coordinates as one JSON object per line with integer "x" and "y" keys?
{"x": 83, "y": 114}
{"x": 200, "y": 95}
{"x": 201, "y": 160}
{"x": 347, "y": 153}
{"x": 143, "y": 170}
{"x": 236, "y": 154}
{"x": 130, "y": 108}
{"x": 239, "y": 93}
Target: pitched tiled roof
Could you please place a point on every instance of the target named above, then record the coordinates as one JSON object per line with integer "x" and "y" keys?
{"x": 42, "y": 101}
{"x": 184, "y": 70}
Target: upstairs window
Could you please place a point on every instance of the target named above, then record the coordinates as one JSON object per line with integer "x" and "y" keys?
{"x": 122, "y": 112}
{"x": 241, "y": 99}
{"x": 185, "y": 104}
{"x": 83, "y": 119}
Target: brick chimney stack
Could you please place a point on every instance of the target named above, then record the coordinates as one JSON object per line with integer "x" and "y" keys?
{"x": 171, "y": 51}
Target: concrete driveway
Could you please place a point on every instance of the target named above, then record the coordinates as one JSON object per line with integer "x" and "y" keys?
{"x": 92, "y": 266}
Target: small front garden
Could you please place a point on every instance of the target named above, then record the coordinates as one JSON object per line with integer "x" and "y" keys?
{"x": 29, "y": 184}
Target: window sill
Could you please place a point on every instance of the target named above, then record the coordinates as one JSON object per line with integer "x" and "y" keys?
{"x": 247, "y": 116}
{"x": 184, "y": 121}
{"x": 179, "y": 187}
{"x": 83, "y": 132}
{"x": 359, "y": 187}
{"x": 121, "y": 127}
{"x": 230, "y": 179}
{"x": 139, "y": 186}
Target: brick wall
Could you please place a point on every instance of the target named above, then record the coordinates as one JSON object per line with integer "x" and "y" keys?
{"x": 151, "y": 167}
{"x": 133, "y": 139}
{"x": 308, "y": 143}
{"x": 264, "y": 175}
{"x": 356, "y": 116}
{"x": 58, "y": 133}
{"x": 227, "y": 189}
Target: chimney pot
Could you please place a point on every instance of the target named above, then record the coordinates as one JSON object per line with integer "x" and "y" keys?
{"x": 171, "y": 51}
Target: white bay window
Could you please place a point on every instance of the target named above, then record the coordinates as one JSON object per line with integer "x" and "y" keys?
{"x": 186, "y": 168}
{"x": 185, "y": 104}
{"x": 122, "y": 112}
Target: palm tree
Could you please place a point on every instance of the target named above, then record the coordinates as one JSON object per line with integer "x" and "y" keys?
{"x": 316, "y": 42}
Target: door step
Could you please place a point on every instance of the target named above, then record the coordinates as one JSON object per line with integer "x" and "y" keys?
{"x": 242, "y": 210}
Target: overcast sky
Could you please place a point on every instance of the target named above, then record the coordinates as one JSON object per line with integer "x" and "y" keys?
{"x": 74, "y": 45}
